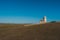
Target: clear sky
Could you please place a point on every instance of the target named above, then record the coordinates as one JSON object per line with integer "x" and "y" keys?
{"x": 28, "y": 11}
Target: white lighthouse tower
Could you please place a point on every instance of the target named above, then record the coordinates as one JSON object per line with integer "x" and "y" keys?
{"x": 44, "y": 19}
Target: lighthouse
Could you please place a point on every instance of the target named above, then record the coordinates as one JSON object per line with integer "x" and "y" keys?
{"x": 44, "y": 20}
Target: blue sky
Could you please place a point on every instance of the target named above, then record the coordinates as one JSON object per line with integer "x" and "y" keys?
{"x": 28, "y": 11}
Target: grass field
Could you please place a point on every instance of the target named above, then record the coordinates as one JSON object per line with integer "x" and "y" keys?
{"x": 49, "y": 31}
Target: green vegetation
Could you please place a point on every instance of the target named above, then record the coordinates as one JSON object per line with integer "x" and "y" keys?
{"x": 53, "y": 21}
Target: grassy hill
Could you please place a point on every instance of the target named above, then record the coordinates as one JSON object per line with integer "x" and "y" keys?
{"x": 49, "y": 31}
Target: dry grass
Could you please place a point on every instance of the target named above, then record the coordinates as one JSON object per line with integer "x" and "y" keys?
{"x": 49, "y": 31}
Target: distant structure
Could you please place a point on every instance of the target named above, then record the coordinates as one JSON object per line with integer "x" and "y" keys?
{"x": 43, "y": 20}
